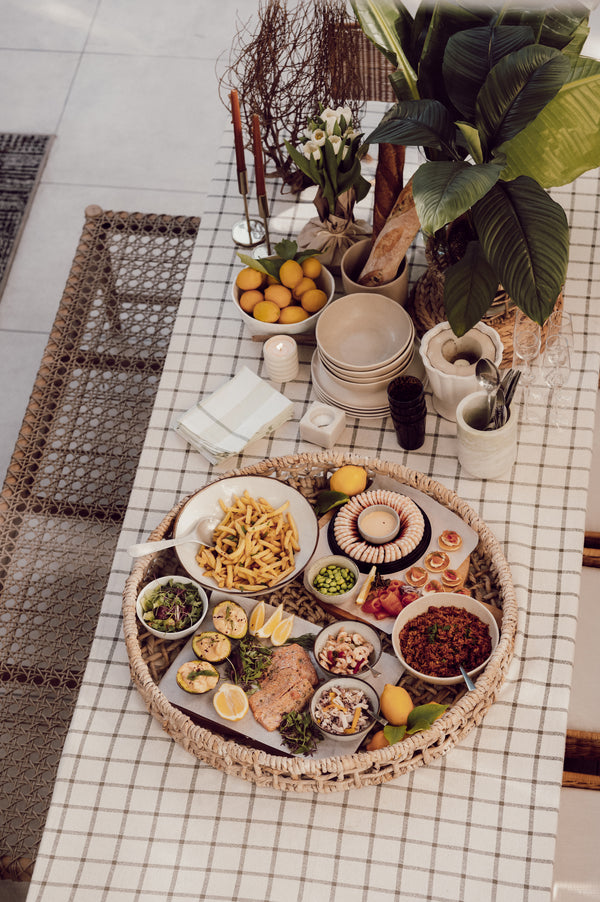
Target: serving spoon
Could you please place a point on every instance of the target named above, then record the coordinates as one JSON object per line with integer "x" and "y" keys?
{"x": 467, "y": 679}
{"x": 488, "y": 376}
{"x": 202, "y": 533}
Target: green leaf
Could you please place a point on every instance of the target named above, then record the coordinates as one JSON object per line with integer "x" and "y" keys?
{"x": 264, "y": 265}
{"x": 564, "y": 140}
{"x": 469, "y": 288}
{"x": 444, "y": 191}
{"x": 515, "y": 91}
{"x": 446, "y": 20}
{"x": 470, "y": 55}
{"x": 394, "y": 734}
{"x": 383, "y": 21}
{"x": 525, "y": 237}
{"x": 422, "y": 717}
{"x": 326, "y": 500}
{"x": 424, "y": 123}
{"x": 472, "y": 140}
{"x": 286, "y": 249}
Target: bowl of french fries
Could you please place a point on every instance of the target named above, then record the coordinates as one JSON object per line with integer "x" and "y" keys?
{"x": 266, "y": 534}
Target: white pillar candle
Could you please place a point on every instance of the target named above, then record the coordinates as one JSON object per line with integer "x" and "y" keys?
{"x": 281, "y": 358}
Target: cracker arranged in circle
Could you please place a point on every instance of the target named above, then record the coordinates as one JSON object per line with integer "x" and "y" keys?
{"x": 436, "y": 561}
{"x": 349, "y": 540}
{"x": 416, "y": 576}
{"x": 434, "y": 585}
{"x": 451, "y": 579}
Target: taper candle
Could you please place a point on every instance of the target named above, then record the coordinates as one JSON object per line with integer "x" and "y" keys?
{"x": 259, "y": 168}
{"x": 237, "y": 132}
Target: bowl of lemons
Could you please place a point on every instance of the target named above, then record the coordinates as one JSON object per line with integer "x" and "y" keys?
{"x": 282, "y": 295}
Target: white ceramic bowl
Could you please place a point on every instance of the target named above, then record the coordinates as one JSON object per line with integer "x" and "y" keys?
{"x": 339, "y": 561}
{"x": 351, "y": 627}
{"x": 363, "y": 332}
{"x": 350, "y": 683}
{"x": 376, "y": 512}
{"x": 376, "y": 374}
{"x": 161, "y": 581}
{"x": 352, "y": 265}
{"x": 439, "y": 600}
{"x": 325, "y": 281}
{"x": 205, "y": 503}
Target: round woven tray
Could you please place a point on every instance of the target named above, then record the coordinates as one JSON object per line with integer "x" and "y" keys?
{"x": 489, "y": 580}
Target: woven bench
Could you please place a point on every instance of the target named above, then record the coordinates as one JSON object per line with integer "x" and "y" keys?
{"x": 67, "y": 489}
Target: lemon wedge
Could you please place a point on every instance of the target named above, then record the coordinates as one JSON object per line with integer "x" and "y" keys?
{"x": 230, "y": 702}
{"x": 362, "y": 595}
{"x": 257, "y": 618}
{"x": 282, "y": 631}
{"x": 266, "y": 631}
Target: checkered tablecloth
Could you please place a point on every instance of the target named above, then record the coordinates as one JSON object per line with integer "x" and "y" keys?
{"x": 135, "y": 817}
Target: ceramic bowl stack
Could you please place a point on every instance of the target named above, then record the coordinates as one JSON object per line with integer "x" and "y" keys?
{"x": 363, "y": 342}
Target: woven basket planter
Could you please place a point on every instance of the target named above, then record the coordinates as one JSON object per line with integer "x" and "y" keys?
{"x": 489, "y": 580}
{"x": 426, "y": 305}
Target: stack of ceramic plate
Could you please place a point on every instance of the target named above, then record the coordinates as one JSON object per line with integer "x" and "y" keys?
{"x": 363, "y": 342}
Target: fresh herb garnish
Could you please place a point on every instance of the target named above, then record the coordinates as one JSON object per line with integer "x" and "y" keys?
{"x": 198, "y": 673}
{"x": 249, "y": 662}
{"x": 306, "y": 640}
{"x": 299, "y": 733}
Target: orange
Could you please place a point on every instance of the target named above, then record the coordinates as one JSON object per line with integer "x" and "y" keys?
{"x": 279, "y": 294}
{"x": 266, "y": 312}
{"x": 290, "y": 273}
{"x": 291, "y": 315}
{"x": 248, "y": 279}
{"x": 305, "y": 284}
{"x": 249, "y": 299}
{"x": 313, "y": 300}
{"x": 311, "y": 267}
{"x": 377, "y": 741}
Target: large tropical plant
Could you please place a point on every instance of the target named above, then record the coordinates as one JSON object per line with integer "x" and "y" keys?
{"x": 504, "y": 106}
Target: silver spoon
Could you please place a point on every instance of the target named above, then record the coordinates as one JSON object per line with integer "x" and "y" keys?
{"x": 201, "y": 533}
{"x": 500, "y": 416}
{"x": 488, "y": 376}
{"x": 467, "y": 679}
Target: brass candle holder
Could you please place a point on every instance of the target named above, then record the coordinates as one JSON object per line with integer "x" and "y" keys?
{"x": 247, "y": 232}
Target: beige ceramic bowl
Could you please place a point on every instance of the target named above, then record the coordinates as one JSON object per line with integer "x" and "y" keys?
{"x": 325, "y": 282}
{"x": 352, "y": 264}
{"x": 439, "y": 600}
{"x": 363, "y": 333}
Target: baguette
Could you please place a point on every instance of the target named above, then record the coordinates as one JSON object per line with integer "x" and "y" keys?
{"x": 389, "y": 181}
{"x": 390, "y": 247}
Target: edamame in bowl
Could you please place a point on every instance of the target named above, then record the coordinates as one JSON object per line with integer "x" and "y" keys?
{"x": 332, "y": 579}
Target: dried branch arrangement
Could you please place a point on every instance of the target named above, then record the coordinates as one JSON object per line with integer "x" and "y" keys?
{"x": 282, "y": 65}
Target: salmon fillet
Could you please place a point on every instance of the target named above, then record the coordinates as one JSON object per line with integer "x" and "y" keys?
{"x": 287, "y": 686}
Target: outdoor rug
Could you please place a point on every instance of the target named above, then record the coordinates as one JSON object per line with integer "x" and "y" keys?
{"x": 22, "y": 160}
{"x": 67, "y": 489}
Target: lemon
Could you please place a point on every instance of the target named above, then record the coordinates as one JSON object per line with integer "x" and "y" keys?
{"x": 311, "y": 267}
{"x": 248, "y": 279}
{"x": 305, "y": 284}
{"x": 313, "y": 299}
{"x": 396, "y": 704}
{"x": 377, "y": 741}
{"x": 266, "y": 311}
{"x": 230, "y": 701}
{"x": 290, "y": 315}
{"x": 290, "y": 273}
{"x": 249, "y": 299}
{"x": 266, "y": 631}
{"x": 282, "y": 631}
{"x": 349, "y": 480}
{"x": 257, "y": 618}
{"x": 279, "y": 294}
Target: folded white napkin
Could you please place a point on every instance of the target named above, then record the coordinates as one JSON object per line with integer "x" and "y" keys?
{"x": 244, "y": 409}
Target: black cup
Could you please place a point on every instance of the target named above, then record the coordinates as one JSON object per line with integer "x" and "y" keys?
{"x": 411, "y": 433}
{"x": 408, "y": 412}
{"x": 405, "y": 391}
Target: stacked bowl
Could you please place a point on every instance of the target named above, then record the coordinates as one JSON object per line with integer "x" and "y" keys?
{"x": 363, "y": 342}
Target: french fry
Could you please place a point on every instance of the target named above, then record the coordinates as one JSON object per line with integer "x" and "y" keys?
{"x": 254, "y": 544}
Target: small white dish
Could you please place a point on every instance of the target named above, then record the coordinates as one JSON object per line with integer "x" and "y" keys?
{"x": 378, "y": 524}
{"x": 162, "y": 581}
{"x": 337, "y": 560}
{"x": 346, "y": 683}
{"x": 352, "y": 627}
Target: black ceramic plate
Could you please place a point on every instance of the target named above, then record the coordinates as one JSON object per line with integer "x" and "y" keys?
{"x": 390, "y": 566}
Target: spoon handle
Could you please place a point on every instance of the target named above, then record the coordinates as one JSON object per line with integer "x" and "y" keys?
{"x": 467, "y": 679}
{"x": 143, "y": 548}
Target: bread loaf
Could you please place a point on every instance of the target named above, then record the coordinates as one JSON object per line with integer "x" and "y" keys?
{"x": 392, "y": 243}
{"x": 389, "y": 181}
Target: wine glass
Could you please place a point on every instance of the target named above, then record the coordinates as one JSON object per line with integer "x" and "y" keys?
{"x": 556, "y": 367}
{"x": 527, "y": 340}
{"x": 560, "y": 323}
